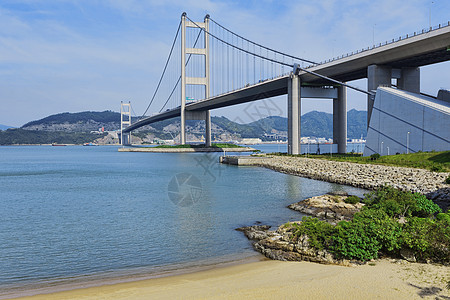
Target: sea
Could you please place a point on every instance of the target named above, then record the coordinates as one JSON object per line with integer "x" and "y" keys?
{"x": 76, "y": 216}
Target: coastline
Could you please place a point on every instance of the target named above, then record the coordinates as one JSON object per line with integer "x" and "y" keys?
{"x": 268, "y": 279}
{"x": 185, "y": 150}
{"x": 109, "y": 278}
{"x": 366, "y": 176}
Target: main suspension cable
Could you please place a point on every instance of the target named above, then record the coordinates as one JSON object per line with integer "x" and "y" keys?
{"x": 164, "y": 71}
{"x": 259, "y": 45}
{"x": 179, "y": 78}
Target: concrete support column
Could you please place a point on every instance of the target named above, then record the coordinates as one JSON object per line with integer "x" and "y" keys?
{"x": 409, "y": 80}
{"x": 340, "y": 120}
{"x": 294, "y": 114}
{"x": 376, "y": 76}
{"x": 208, "y": 129}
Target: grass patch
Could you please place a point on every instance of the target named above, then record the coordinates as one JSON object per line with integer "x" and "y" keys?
{"x": 433, "y": 161}
{"x": 214, "y": 145}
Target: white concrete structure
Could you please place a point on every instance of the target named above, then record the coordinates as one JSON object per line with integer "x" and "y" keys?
{"x": 407, "y": 122}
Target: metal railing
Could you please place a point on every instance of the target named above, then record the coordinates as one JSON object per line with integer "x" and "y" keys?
{"x": 400, "y": 38}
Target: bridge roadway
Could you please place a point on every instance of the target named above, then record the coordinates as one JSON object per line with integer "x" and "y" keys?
{"x": 414, "y": 51}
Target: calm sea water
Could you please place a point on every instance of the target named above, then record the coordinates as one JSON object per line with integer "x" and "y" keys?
{"x": 72, "y": 212}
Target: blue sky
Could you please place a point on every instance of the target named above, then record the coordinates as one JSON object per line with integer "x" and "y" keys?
{"x": 70, "y": 56}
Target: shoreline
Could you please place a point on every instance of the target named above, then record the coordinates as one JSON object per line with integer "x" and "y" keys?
{"x": 269, "y": 279}
{"x": 111, "y": 278}
{"x": 366, "y": 176}
{"x": 185, "y": 150}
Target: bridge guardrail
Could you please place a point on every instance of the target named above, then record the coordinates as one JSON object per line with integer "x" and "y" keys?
{"x": 394, "y": 40}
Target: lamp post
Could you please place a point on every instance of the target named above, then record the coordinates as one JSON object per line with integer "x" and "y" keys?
{"x": 373, "y": 35}
{"x": 381, "y": 151}
{"x": 387, "y": 150}
{"x": 407, "y": 142}
{"x": 361, "y": 141}
{"x": 432, "y": 2}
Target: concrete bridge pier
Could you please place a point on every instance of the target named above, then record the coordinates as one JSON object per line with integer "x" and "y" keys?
{"x": 376, "y": 76}
{"x": 294, "y": 114}
{"x": 340, "y": 120}
{"x": 408, "y": 79}
{"x": 208, "y": 129}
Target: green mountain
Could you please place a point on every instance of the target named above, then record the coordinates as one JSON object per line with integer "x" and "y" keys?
{"x": 77, "y": 122}
{"x": 73, "y": 118}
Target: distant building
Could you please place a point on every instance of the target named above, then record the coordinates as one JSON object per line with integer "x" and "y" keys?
{"x": 250, "y": 141}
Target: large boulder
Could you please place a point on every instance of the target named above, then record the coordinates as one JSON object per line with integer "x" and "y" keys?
{"x": 279, "y": 245}
{"x": 329, "y": 207}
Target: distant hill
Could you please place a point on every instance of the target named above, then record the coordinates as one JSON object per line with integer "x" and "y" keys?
{"x": 314, "y": 124}
{"x": 34, "y": 137}
{"x": 4, "y": 127}
{"x": 76, "y": 122}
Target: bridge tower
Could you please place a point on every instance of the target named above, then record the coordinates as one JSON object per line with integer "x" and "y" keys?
{"x": 125, "y": 121}
{"x": 194, "y": 115}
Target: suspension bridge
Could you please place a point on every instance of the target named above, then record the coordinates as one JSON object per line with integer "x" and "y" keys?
{"x": 209, "y": 66}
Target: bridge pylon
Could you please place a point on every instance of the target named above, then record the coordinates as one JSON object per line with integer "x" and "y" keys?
{"x": 194, "y": 115}
{"x": 125, "y": 121}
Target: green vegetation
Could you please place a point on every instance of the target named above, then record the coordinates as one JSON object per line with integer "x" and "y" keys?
{"x": 73, "y": 118}
{"x": 390, "y": 221}
{"x": 352, "y": 199}
{"x": 433, "y": 161}
{"x": 213, "y": 145}
{"x": 33, "y": 137}
{"x": 375, "y": 156}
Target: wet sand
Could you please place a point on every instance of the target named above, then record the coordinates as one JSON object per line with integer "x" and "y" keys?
{"x": 269, "y": 279}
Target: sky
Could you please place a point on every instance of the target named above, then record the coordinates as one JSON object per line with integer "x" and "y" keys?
{"x": 88, "y": 55}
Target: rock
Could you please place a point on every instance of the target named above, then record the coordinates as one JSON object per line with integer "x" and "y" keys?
{"x": 329, "y": 207}
{"x": 256, "y": 232}
{"x": 278, "y": 245}
{"x": 365, "y": 176}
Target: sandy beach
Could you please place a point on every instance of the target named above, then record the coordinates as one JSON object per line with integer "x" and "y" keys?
{"x": 383, "y": 279}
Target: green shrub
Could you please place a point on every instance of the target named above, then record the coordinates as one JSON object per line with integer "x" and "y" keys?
{"x": 437, "y": 168}
{"x": 375, "y": 156}
{"x": 354, "y": 241}
{"x": 352, "y": 199}
{"x": 398, "y": 203}
{"x": 392, "y": 201}
{"x": 447, "y": 180}
{"x": 424, "y": 207}
{"x": 369, "y": 232}
{"x": 444, "y": 217}
{"x": 318, "y": 232}
{"x": 429, "y": 239}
